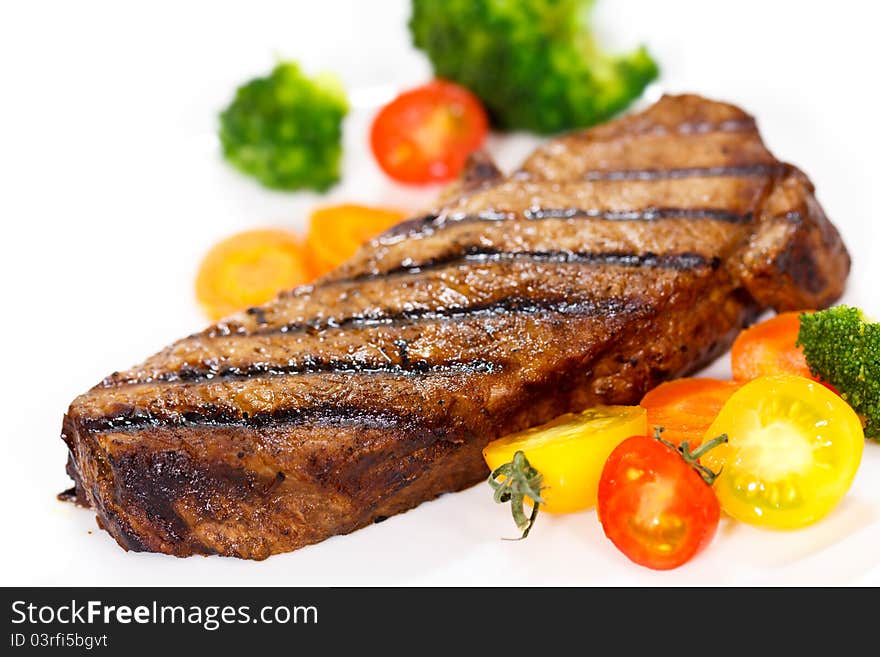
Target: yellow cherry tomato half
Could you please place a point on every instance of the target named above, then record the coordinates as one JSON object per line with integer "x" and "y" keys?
{"x": 792, "y": 452}
{"x": 570, "y": 452}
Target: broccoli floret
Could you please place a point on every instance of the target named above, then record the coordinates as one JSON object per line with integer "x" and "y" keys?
{"x": 286, "y": 129}
{"x": 533, "y": 63}
{"x": 844, "y": 349}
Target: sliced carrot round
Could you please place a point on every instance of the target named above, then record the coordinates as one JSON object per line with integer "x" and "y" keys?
{"x": 685, "y": 408}
{"x": 337, "y": 232}
{"x": 248, "y": 269}
{"x": 768, "y": 348}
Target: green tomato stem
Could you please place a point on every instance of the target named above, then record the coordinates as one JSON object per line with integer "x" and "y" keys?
{"x": 513, "y": 482}
{"x": 692, "y": 457}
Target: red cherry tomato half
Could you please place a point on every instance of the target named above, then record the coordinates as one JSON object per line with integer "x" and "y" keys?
{"x": 426, "y": 134}
{"x": 653, "y": 506}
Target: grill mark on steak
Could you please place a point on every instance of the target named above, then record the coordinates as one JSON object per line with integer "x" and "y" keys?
{"x": 746, "y": 124}
{"x": 322, "y": 414}
{"x": 431, "y": 223}
{"x": 473, "y": 254}
{"x": 705, "y": 127}
{"x": 506, "y": 306}
{"x": 708, "y": 238}
{"x": 647, "y": 214}
{"x": 369, "y": 303}
{"x": 315, "y": 365}
{"x": 740, "y": 171}
{"x": 392, "y": 343}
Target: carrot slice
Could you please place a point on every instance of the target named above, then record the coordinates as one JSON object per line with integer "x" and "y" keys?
{"x": 337, "y": 232}
{"x": 685, "y": 408}
{"x": 248, "y": 269}
{"x": 768, "y": 348}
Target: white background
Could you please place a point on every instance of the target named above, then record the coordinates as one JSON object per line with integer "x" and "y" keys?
{"x": 111, "y": 188}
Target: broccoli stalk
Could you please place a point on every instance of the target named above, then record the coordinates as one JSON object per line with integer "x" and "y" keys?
{"x": 286, "y": 129}
{"x": 533, "y": 63}
{"x": 843, "y": 349}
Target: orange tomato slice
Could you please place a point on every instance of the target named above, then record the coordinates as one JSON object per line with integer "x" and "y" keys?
{"x": 685, "y": 408}
{"x": 248, "y": 269}
{"x": 337, "y": 232}
{"x": 768, "y": 348}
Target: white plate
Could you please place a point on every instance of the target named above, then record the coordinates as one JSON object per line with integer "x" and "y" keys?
{"x": 113, "y": 188}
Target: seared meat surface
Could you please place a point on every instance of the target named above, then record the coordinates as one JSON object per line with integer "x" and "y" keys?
{"x": 614, "y": 259}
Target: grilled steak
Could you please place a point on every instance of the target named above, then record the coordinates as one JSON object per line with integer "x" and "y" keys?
{"x": 613, "y": 259}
